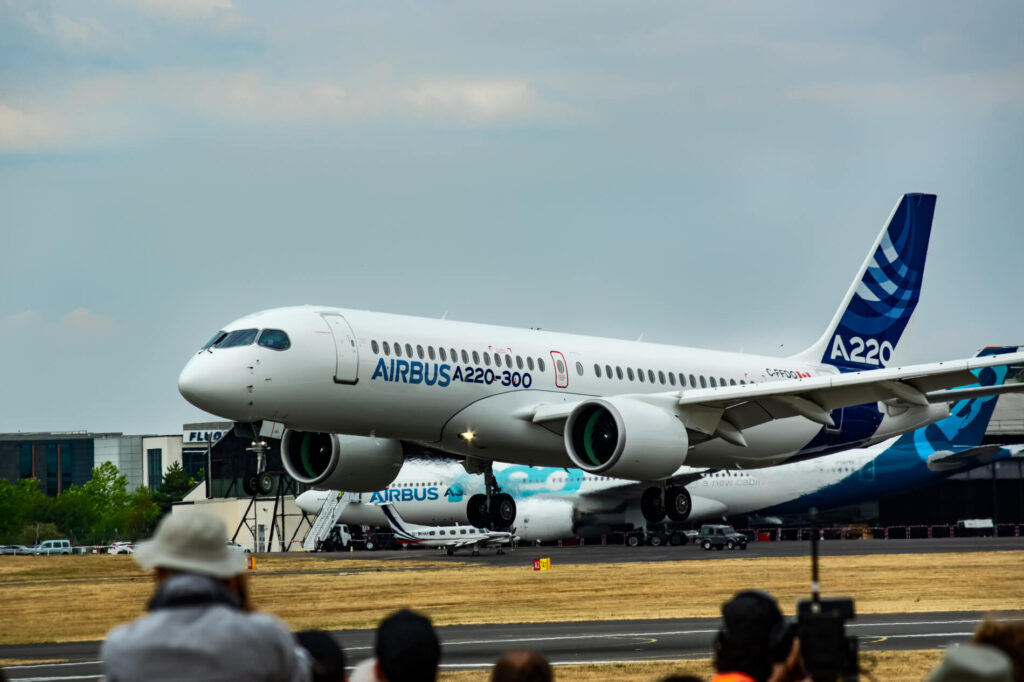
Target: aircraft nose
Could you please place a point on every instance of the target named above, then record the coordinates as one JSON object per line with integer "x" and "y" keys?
{"x": 310, "y": 501}
{"x": 205, "y": 383}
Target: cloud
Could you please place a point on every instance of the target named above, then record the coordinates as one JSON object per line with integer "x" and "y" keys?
{"x": 78, "y": 324}
{"x": 84, "y": 322}
{"x": 186, "y": 9}
{"x": 477, "y": 100}
{"x": 25, "y": 130}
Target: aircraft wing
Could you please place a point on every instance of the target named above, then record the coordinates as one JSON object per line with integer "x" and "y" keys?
{"x": 725, "y": 411}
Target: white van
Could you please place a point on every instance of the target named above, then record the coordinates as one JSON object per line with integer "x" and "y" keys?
{"x": 52, "y": 547}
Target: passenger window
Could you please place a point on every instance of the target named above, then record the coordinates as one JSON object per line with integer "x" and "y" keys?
{"x": 276, "y": 339}
{"x": 713, "y": 384}
{"x": 387, "y": 347}
{"x": 419, "y": 351}
{"x": 703, "y": 382}
{"x": 373, "y": 345}
{"x": 650, "y": 375}
{"x": 487, "y": 358}
{"x": 732, "y": 382}
{"x": 661, "y": 377}
{"x": 239, "y": 337}
{"x": 672, "y": 378}
{"x": 721, "y": 381}
{"x": 540, "y": 364}
{"x": 465, "y": 357}
{"x": 693, "y": 381}
{"x": 398, "y": 349}
{"x": 441, "y": 354}
{"x": 519, "y": 361}
{"x": 579, "y": 368}
{"x": 529, "y": 363}
{"x": 430, "y": 352}
{"x": 682, "y": 379}
{"x": 629, "y": 373}
{"x": 508, "y": 361}
{"x": 597, "y": 370}
{"x": 476, "y": 358}
{"x": 640, "y": 375}
{"x": 608, "y": 371}
{"x": 561, "y": 367}
{"x": 408, "y": 350}
{"x": 618, "y": 371}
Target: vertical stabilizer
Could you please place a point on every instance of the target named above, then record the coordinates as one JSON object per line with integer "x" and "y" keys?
{"x": 868, "y": 325}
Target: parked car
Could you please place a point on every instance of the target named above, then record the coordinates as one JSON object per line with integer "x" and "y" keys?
{"x": 52, "y": 547}
{"x": 15, "y": 549}
{"x": 240, "y": 548}
{"x": 721, "y": 536}
{"x": 121, "y": 547}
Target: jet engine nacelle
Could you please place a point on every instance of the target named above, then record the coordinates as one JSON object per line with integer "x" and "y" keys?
{"x": 544, "y": 520}
{"x": 625, "y": 438}
{"x": 358, "y": 464}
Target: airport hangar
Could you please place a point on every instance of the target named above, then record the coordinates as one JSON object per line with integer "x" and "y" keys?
{"x": 260, "y": 511}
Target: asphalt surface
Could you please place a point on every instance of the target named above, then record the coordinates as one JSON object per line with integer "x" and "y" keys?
{"x": 477, "y": 646}
{"x": 590, "y": 554}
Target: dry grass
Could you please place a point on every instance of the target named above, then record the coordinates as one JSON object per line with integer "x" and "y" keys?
{"x": 81, "y": 598}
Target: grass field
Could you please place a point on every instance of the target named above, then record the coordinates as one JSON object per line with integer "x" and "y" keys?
{"x": 82, "y": 597}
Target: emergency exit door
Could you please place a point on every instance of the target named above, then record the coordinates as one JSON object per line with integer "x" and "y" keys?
{"x": 347, "y": 364}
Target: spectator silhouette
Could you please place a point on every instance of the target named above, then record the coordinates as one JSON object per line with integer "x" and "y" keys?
{"x": 1008, "y": 637}
{"x": 327, "y": 657}
{"x": 522, "y": 665}
{"x": 755, "y": 643}
{"x": 200, "y": 625}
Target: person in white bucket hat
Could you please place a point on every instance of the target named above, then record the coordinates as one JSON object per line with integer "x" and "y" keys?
{"x": 200, "y": 625}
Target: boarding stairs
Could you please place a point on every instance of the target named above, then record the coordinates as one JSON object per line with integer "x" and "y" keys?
{"x": 325, "y": 521}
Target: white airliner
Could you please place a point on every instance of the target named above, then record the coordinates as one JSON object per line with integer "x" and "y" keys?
{"x": 451, "y": 538}
{"x": 353, "y": 391}
{"x": 557, "y": 503}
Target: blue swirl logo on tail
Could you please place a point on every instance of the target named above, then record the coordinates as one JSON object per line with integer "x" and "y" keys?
{"x": 883, "y": 298}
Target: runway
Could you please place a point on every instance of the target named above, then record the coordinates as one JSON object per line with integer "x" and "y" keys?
{"x": 590, "y": 554}
{"x": 476, "y": 646}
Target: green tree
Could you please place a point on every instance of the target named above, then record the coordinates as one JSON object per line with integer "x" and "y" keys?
{"x": 34, "y": 533}
{"x": 21, "y": 503}
{"x": 173, "y": 488}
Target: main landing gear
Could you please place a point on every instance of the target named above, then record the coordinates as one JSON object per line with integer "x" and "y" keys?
{"x": 494, "y": 509}
{"x": 674, "y": 501}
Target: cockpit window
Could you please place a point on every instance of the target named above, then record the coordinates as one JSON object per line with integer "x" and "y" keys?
{"x": 214, "y": 339}
{"x": 277, "y": 339}
{"x": 239, "y": 337}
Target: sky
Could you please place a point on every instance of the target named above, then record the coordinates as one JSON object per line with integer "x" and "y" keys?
{"x": 702, "y": 173}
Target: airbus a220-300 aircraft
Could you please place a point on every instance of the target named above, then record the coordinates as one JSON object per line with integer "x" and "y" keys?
{"x": 353, "y": 390}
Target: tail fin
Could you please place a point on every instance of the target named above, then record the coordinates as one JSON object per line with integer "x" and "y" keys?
{"x": 869, "y": 323}
{"x": 968, "y": 419}
{"x": 396, "y": 522}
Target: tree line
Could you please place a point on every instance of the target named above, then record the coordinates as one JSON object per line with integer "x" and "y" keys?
{"x": 97, "y": 513}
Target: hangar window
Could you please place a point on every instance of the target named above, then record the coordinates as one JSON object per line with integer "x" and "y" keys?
{"x": 540, "y": 364}
{"x": 373, "y": 345}
{"x": 529, "y": 363}
{"x": 618, "y": 372}
{"x": 387, "y": 347}
{"x": 398, "y": 349}
{"x": 476, "y": 358}
{"x": 277, "y": 340}
{"x": 419, "y": 352}
{"x": 408, "y": 350}
{"x": 629, "y": 373}
{"x": 597, "y": 370}
{"x": 239, "y": 337}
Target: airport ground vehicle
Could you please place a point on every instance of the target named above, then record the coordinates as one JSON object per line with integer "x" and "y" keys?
{"x": 720, "y": 536}
{"x": 52, "y": 547}
{"x": 241, "y": 548}
{"x": 121, "y": 547}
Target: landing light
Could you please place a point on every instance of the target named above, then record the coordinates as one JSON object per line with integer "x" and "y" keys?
{"x": 467, "y": 436}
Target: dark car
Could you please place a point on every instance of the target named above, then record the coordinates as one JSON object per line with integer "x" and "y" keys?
{"x": 721, "y": 536}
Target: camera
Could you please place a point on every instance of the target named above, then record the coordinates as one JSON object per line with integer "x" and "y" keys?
{"x": 828, "y": 653}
